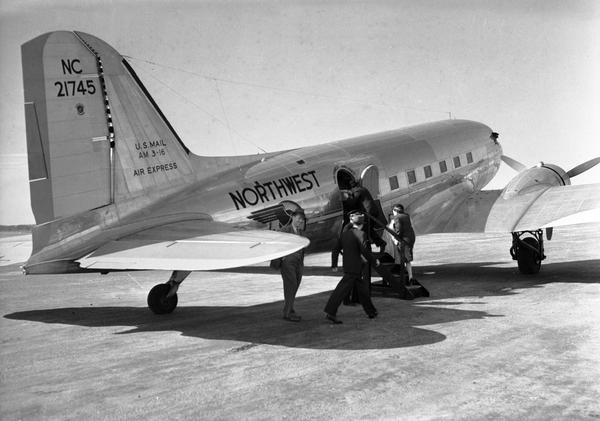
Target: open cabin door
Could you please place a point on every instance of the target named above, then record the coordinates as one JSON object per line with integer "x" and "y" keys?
{"x": 369, "y": 179}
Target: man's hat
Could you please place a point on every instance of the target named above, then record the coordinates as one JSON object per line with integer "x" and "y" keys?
{"x": 355, "y": 213}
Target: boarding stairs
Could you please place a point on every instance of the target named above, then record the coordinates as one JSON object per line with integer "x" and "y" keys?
{"x": 395, "y": 281}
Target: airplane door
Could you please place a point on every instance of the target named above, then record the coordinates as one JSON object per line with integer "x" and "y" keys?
{"x": 369, "y": 179}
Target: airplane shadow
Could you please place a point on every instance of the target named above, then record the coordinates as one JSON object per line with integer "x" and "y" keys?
{"x": 399, "y": 324}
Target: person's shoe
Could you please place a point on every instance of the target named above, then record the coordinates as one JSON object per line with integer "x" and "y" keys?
{"x": 373, "y": 315}
{"x": 292, "y": 318}
{"x": 412, "y": 281}
{"x": 333, "y": 319}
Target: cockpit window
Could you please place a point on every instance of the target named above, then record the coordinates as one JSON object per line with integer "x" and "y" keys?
{"x": 494, "y": 137}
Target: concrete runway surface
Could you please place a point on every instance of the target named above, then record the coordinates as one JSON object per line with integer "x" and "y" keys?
{"x": 488, "y": 344}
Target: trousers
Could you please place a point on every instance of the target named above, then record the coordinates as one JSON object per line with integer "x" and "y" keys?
{"x": 344, "y": 287}
{"x": 291, "y": 272}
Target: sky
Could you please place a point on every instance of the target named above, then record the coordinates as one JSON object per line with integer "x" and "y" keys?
{"x": 241, "y": 77}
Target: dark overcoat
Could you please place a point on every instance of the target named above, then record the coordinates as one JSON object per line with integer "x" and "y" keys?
{"x": 356, "y": 249}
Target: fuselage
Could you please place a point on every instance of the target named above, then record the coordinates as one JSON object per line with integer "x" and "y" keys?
{"x": 428, "y": 168}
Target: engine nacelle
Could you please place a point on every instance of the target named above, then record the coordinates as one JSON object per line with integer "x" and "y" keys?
{"x": 535, "y": 177}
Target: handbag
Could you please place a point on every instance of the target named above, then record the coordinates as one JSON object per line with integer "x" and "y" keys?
{"x": 275, "y": 264}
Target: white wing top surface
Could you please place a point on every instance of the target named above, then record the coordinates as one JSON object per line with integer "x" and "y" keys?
{"x": 563, "y": 205}
{"x": 544, "y": 206}
{"x": 538, "y": 207}
{"x": 193, "y": 245}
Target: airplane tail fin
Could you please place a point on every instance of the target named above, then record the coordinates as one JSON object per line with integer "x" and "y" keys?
{"x": 95, "y": 136}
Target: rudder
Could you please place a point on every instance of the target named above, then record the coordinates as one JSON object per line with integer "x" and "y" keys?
{"x": 94, "y": 134}
{"x": 67, "y": 132}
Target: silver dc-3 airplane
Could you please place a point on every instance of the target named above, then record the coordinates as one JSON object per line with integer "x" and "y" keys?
{"x": 113, "y": 187}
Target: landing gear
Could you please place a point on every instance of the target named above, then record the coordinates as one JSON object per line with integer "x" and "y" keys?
{"x": 528, "y": 251}
{"x": 159, "y": 301}
{"x": 162, "y": 298}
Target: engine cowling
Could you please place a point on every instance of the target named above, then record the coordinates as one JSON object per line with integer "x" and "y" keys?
{"x": 534, "y": 179}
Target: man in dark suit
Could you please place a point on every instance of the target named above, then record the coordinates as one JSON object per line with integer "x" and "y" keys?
{"x": 357, "y": 253}
{"x": 352, "y": 298}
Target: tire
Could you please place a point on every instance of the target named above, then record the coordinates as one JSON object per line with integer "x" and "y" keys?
{"x": 529, "y": 261}
{"x": 158, "y": 301}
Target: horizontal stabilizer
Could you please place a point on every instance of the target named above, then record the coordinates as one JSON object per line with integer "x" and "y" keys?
{"x": 193, "y": 245}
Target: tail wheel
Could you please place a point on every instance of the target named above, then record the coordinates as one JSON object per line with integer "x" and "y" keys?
{"x": 158, "y": 301}
{"x": 529, "y": 258}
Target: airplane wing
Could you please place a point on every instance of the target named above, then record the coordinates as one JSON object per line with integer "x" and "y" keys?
{"x": 546, "y": 207}
{"x": 538, "y": 207}
{"x": 193, "y": 245}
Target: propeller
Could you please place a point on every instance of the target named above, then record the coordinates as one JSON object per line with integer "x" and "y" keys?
{"x": 516, "y": 165}
{"x": 582, "y": 167}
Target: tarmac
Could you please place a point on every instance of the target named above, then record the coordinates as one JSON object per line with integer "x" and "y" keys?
{"x": 488, "y": 344}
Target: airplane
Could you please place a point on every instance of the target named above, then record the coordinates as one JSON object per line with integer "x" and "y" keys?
{"x": 113, "y": 187}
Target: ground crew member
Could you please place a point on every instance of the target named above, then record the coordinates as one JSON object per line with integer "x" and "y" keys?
{"x": 292, "y": 267}
{"x": 357, "y": 253}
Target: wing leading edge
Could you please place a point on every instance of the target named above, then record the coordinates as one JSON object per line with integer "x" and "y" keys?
{"x": 193, "y": 246}
{"x": 538, "y": 207}
{"x": 543, "y": 206}
{"x": 563, "y": 205}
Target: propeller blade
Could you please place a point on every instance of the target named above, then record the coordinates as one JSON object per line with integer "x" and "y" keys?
{"x": 583, "y": 167}
{"x": 513, "y": 163}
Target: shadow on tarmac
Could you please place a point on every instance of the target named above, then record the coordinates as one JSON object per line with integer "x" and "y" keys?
{"x": 397, "y": 326}
{"x": 582, "y": 271}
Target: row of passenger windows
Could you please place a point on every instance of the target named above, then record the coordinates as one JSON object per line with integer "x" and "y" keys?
{"x": 411, "y": 175}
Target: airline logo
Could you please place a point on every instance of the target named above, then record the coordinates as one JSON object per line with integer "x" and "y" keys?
{"x": 274, "y": 189}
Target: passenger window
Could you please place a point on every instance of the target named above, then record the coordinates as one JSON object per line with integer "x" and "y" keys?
{"x": 443, "y": 166}
{"x": 394, "y": 183}
{"x": 427, "y": 170}
{"x": 412, "y": 177}
{"x": 456, "y": 161}
{"x": 469, "y": 157}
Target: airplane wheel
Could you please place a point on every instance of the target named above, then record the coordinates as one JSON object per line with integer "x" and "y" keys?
{"x": 158, "y": 301}
{"x": 529, "y": 261}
